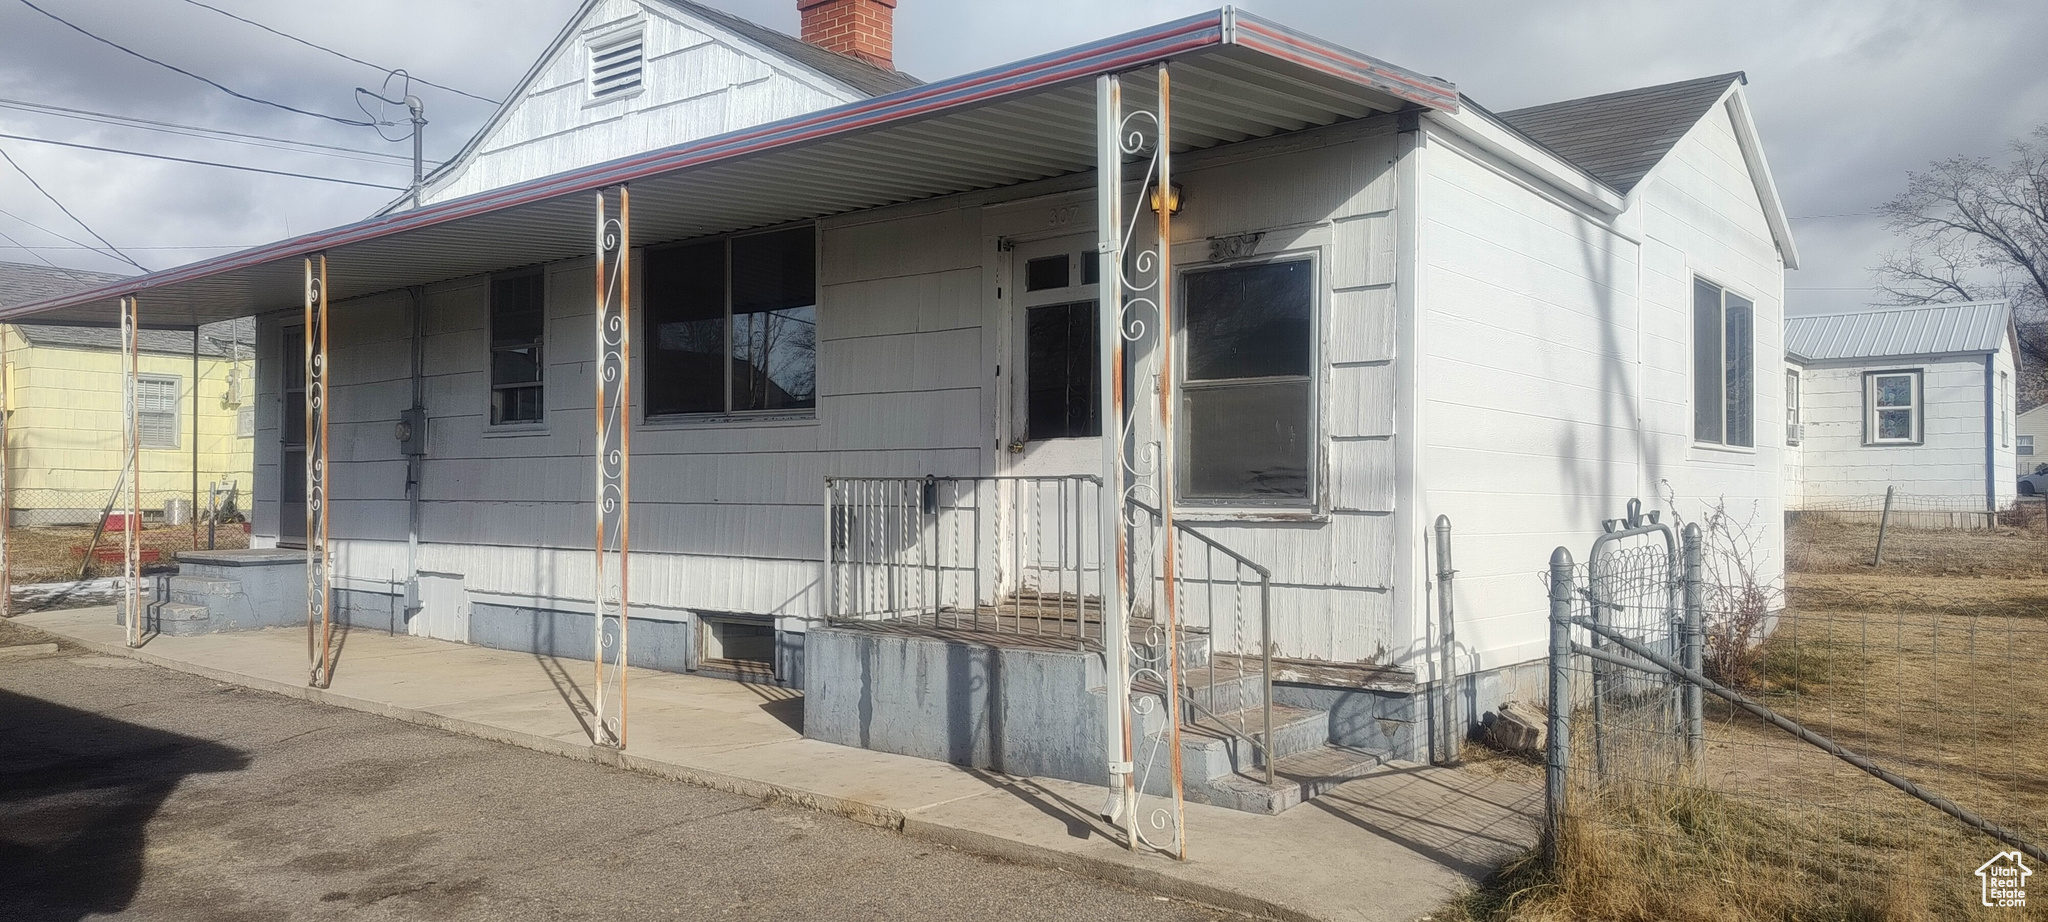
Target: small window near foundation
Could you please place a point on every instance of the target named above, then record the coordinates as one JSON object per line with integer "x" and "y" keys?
{"x": 744, "y": 648}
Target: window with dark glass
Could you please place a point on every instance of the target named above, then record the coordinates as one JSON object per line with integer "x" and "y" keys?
{"x": 1246, "y": 395}
{"x": 518, "y": 322}
{"x": 1723, "y": 362}
{"x": 1063, "y": 372}
{"x": 732, "y": 325}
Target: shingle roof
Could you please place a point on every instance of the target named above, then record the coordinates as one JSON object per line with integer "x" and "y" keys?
{"x": 854, "y": 72}
{"x": 21, "y": 283}
{"x": 1618, "y": 137}
{"x": 1887, "y": 332}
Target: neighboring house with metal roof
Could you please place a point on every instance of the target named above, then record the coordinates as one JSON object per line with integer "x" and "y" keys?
{"x": 1919, "y": 399}
{"x": 64, "y": 399}
{"x": 1390, "y": 305}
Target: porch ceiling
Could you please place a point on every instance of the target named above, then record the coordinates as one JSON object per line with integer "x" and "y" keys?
{"x": 1236, "y": 77}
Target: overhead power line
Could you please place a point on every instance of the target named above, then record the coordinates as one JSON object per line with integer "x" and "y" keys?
{"x": 212, "y": 163}
{"x": 76, "y": 244}
{"x": 359, "y": 123}
{"x": 182, "y": 246}
{"x": 46, "y": 261}
{"x": 67, "y": 212}
{"x": 317, "y": 46}
{"x": 197, "y": 131}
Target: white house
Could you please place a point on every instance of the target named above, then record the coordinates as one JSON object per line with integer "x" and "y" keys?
{"x": 1919, "y": 399}
{"x": 1390, "y": 304}
{"x": 2030, "y": 430}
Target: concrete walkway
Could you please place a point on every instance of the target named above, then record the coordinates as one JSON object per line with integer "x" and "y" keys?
{"x": 1390, "y": 846}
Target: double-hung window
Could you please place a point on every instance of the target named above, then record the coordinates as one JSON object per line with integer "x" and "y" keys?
{"x": 156, "y": 410}
{"x": 1892, "y": 408}
{"x": 2004, "y": 409}
{"x": 1246, "y": 396}
{"x": 518, "y": 325}
{"x": 1723, "y": 366}
{"x": 1794, "y": 432}
{"x": 732, "y": 325}
{"x": 2025, "y": 446}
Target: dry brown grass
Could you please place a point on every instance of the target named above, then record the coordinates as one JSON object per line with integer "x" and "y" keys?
{"x": 51, "y": 554}
{"x": 1936, "y": 666}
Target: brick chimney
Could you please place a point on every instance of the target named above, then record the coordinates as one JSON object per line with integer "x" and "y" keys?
{"x": 864, "y": 29}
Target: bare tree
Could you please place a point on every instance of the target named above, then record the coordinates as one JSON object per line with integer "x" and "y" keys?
{"x": 1976, "y": 230}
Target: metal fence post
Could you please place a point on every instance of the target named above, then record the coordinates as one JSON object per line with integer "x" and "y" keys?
{"x": 1694, "y": 633}
{"x": 1448, "y": 710}
{"x": 1557, "y": 755}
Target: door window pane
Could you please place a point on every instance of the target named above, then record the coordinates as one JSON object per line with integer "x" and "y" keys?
{"x": 685, "y": 304}
{"x": 1046, "y": 272}
{"x": 1062, "y": 372}
{"x": 1249, "y": 321}
{"x": 1248, "y": 440}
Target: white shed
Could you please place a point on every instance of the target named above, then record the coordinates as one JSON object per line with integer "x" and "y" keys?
{"x": 1918, "y": 399}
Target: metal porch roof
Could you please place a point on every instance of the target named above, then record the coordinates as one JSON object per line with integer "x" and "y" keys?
{"x": 1236, "y": 77}
{"x": 1930, "y": 329}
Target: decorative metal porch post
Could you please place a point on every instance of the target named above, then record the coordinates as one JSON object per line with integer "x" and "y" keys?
{"x": 1133, "y": 470}
{"x": 131, "y": 443}
{"x": 614, "y": 447}
{"x": 319, "y": 561}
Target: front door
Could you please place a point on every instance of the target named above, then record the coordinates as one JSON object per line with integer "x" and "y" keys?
{"x": 1055, "y": 426}
{"x": 1055, "y": 404}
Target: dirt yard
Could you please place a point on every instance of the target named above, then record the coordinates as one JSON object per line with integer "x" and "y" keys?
{"x": 1935, "y": 665}
{"x": 52, "y": 554}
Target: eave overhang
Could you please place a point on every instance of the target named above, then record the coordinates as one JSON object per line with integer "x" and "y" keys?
{"x": 1236, "y": 77}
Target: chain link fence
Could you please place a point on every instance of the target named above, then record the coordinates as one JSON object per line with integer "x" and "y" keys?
{"x": 1918, "y": 511}
{"x": 1726, "y": 750}
{"x": 62, "y": 536}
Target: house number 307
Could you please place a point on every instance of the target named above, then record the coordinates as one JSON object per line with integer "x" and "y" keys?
{"x": 1064, "y": 216}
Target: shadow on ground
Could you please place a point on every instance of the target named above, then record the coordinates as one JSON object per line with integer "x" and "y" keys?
{"x": 76, "y": 791}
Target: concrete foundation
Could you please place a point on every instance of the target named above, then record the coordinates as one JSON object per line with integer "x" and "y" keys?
{"x": 216, "y": 591}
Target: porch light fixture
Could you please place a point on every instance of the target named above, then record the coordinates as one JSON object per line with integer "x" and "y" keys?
{"x": 1174, "y": 199}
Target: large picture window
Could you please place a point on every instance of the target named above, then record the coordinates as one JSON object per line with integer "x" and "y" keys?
{"x": 1892, "y": 408}
{"x": 1723, "y": 366}
{"x": 732, "y": 325}
{"x": 518, "y": 325}
{"x": 1246, "y": 392}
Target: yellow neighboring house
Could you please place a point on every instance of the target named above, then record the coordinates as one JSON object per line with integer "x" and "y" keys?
{"x": 63, "y": 398}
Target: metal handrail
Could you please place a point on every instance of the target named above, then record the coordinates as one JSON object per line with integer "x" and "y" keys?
{"x": 1263, "y": 742}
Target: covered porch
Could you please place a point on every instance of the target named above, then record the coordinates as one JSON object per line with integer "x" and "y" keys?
{"x": 1137, "y": 622}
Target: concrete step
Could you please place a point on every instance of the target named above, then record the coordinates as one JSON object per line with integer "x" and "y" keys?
{"x": 174, "y": 619}
{"x": 1222, "y": 691}
{"x": 1297, "y": 778}
{"x": 1215, "y": 746}
{"x": 200, "y": 590}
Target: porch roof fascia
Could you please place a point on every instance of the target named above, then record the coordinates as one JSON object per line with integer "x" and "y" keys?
{"x": 1202, "y": 34}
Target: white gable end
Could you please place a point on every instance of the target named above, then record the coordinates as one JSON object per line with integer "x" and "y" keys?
{"x": 698, "y": 81}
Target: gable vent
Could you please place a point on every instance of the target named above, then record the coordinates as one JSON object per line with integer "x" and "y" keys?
{"x": 616, "y": 64}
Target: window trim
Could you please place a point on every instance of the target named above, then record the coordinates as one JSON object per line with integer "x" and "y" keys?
{"x": 644, "y": 375}
{"x": 1693, "y": 369}
{"x": 177, "y": 411}
{"x": 2029, "y": 446}
{"x": 2005, "y": 409}
{"x": 1795, "y": 407}
{"x": 1870, "y": 407}
{"x": 1312, "y": 505}
{"x": 491, "y": 388}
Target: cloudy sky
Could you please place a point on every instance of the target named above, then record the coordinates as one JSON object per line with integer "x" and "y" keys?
{"x": 1849, "y": 94}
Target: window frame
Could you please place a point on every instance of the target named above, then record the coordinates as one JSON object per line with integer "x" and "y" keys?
{"x": 2005, "y": 409}
{"x": 177, "y": 385}
{"x": 491, "y": 350}
{"x": 1311, "y": 504}
{"x": 646, "y": 354}
{"x": 2028, "y": 451}
{"x": 1693, "y": 363}
{"x": 1795, "y": 408}
{"x": 1918, "y": 407}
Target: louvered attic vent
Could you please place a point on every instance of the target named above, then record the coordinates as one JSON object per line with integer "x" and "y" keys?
{"x": 616, "y": 65}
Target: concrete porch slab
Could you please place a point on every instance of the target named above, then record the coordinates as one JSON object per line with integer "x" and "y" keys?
{"x": 1390, "y": 846}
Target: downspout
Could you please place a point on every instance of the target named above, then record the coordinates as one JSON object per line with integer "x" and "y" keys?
{"x": 415, "y": 458}
{"x": 1412, "y": 582}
